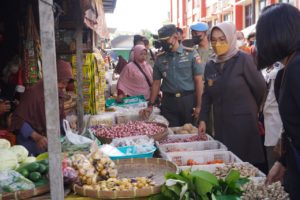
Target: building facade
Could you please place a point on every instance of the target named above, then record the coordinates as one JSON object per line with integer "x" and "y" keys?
{"x": 243, "y": 13}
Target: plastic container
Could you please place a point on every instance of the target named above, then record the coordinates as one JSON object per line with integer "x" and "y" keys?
{"x": 202, "y": 158}
{"x": 106, "y": 119}
{"x": 190, "y": 146}
{"x": 181, "y": 137}
{"x": 212, "y": 168}
{"x": 133, "y": 153}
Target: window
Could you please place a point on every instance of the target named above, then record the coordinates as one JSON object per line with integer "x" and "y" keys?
{"x": 248, "y": 15}
{"x": 215, "y": 21}
{"x": 227, "y": 18}
{"x": 262, "y": 4}
{"x": 286, "y": 1}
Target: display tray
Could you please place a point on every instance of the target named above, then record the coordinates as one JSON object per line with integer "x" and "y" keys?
{"x": 156, "y": 137}
{"x": 25, "y": 194}
{"x": 182, "y": 138}
{"x": 213, "y": 168}
{"x": 132, "y": 152}
{"x": 202, "y": 158}
{"x": 165, "y": 149}
{"x": 130, "y": 168}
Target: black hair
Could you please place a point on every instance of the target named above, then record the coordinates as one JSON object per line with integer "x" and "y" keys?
{"x": 179, "y": 30}
{"x": 137, "y": 39}
{"x": 251, "y": 35}
{"x": 146, "y": 41}
{"x": 277, "y": 33}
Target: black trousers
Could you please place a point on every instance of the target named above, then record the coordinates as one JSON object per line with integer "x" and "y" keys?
{"x": 178, "y": 110}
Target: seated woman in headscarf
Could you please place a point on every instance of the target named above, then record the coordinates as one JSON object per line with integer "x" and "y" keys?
{"x": 29, "y": 118}
{"x": 136, "y": 77}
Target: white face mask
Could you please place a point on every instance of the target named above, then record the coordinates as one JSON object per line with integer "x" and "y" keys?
{"x": 240, "y": 43}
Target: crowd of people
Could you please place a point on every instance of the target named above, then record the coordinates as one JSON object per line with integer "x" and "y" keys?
{"x": 225, "y": 84}
{"x": 229, "y": 86}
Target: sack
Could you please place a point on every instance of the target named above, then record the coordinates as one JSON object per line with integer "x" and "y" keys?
{"x": 120, "y": 65}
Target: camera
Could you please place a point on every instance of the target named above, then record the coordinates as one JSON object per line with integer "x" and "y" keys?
{"x": 157, "y": 44}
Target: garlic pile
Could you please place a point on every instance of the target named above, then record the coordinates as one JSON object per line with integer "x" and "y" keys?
{"x": 114, "y": 184}
{"x": 245, "y": 169}
{"x": 260, "y": 191}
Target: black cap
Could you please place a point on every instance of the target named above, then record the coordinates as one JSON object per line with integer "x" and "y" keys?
{"x": 166, "y": 31}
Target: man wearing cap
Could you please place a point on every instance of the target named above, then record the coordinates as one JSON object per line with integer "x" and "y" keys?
{"x": 180, "y": 70}
{"x": 199, "y": 37}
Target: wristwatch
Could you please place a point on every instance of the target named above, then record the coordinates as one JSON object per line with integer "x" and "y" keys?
{"x": 150, "y": 104}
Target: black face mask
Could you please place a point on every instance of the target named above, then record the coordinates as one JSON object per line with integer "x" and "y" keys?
{"x": 251, "y": 43}
{"x": 166, "y": 46}
{"x": 196, "y": 39}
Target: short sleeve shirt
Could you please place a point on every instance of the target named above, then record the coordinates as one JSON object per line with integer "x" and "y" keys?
{"x": 178, "y": 69}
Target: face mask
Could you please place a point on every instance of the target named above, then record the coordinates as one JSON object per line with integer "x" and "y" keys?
{"x": 196, "y": 39}
{"x": 220, "y": 48}
{"x": 166, "y": 46}
{"x": 240, "y": 43}
{"x": 251, "y": 43}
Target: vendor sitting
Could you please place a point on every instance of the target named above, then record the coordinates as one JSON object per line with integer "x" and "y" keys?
{"x": 29, "y": 119}
{"x": 136, "y": 77}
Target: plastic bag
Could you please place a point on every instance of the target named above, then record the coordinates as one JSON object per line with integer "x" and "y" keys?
{"x": 74, "y": 138}
{"x": 158, "y": 118}
{"x": 11, "y": 181}
{"x": 111, "y": 150}
{"x": 141, "y": 140}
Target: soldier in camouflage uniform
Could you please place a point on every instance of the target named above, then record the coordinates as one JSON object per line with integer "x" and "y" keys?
{"x": 178, "y": 74}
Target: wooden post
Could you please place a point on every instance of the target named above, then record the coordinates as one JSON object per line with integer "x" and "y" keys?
{"x": 51, "y": 97}
{"x": 79, "y": 26}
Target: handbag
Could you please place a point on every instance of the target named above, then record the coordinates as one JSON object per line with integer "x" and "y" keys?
{"x": 279, "y": 148}
{"x": 158, "y": 98}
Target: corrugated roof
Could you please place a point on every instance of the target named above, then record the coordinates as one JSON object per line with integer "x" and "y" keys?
{"x": 109, "y": 5}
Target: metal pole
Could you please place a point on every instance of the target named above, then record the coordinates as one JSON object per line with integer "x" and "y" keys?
{"x": 51, "y": 97}
{"x": 79, "y": 26}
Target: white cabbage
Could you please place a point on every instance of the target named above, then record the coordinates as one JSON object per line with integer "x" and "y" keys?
{"x": 4, "y": 144}
{"x": 8, "y": 159}
{"x": 20, "y": 151}
{"x": 29, "y": 159}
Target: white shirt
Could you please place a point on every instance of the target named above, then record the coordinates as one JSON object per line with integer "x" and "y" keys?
{"x": 272, "y": 120}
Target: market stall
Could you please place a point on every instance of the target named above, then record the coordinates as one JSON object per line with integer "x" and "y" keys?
{"x": 114, "y": 154}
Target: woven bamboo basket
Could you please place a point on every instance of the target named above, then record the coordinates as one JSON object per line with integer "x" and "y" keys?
{"x": 131, "y": 168}
{"x": 156, "y": 137}
{"x": 25, "y": 194}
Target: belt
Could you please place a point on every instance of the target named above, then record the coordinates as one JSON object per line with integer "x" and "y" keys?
{"x": 178, "y": 94}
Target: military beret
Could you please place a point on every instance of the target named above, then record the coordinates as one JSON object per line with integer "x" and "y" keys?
{"x": 200, "y": 26}
{"x": 166, "y": 31}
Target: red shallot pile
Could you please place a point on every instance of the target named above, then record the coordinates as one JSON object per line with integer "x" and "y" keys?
{"x": 131, "y": 128}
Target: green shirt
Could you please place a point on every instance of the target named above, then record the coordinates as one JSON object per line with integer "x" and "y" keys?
{"x": 205, "y": 54}
{"x": 177, "y": 69}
